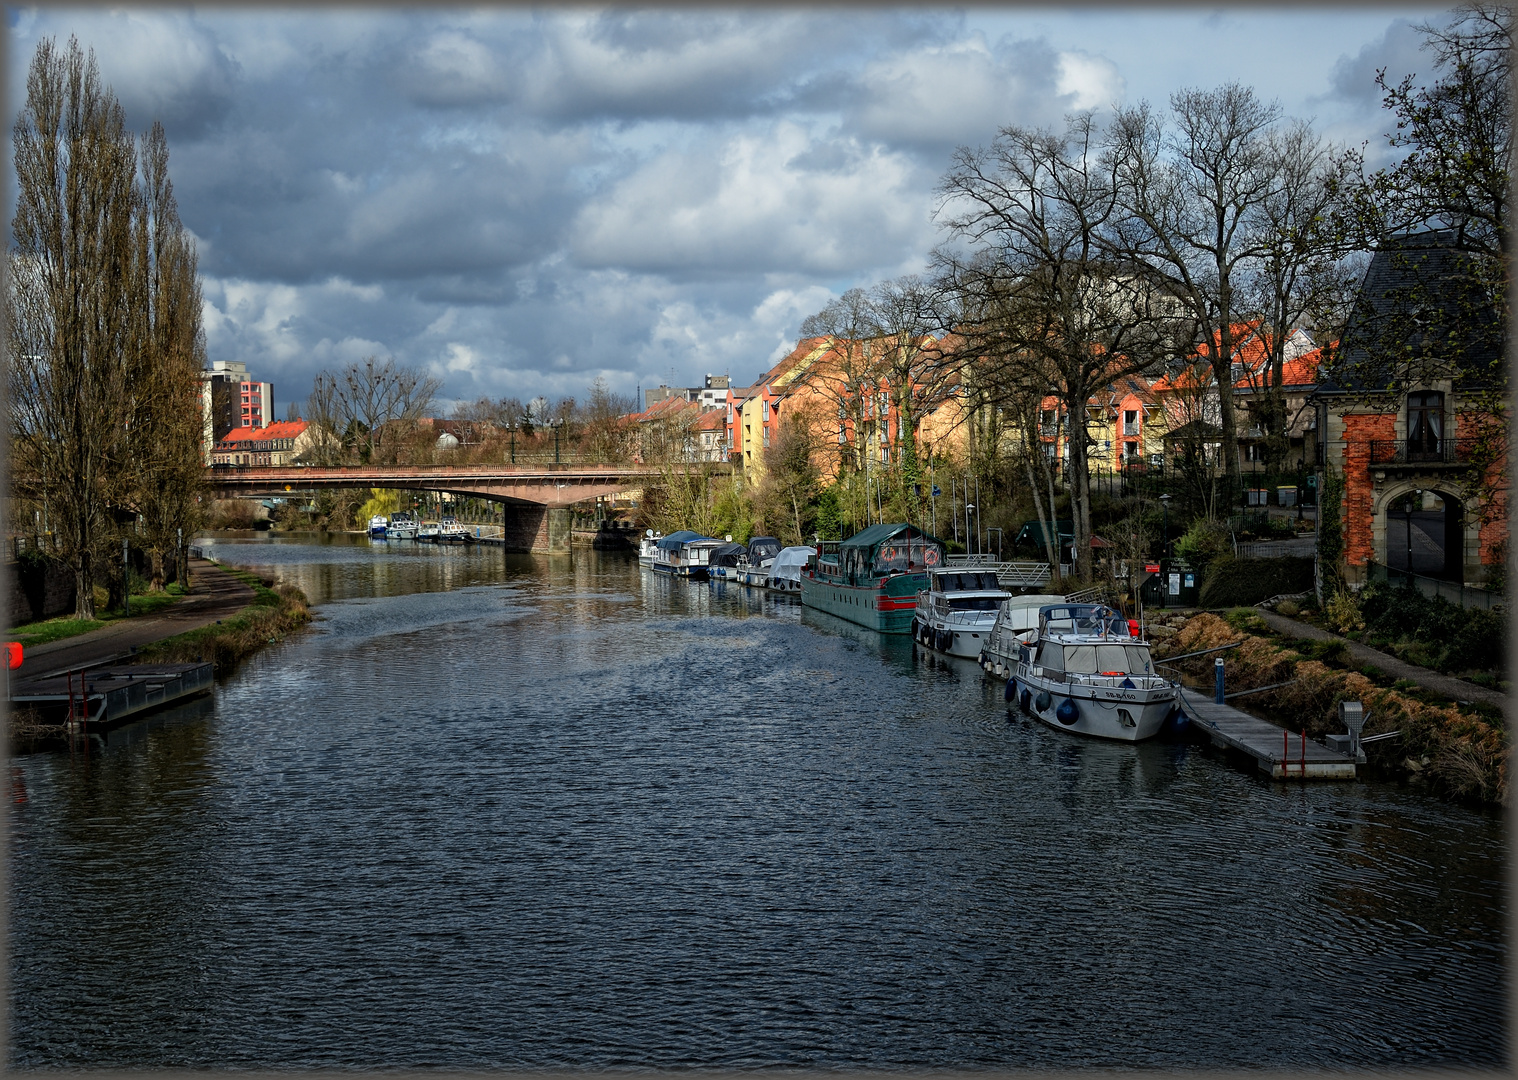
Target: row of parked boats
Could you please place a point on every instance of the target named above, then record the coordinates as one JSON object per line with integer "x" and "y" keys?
{"x": 1080, "y": 667}
{"x": 404, "y": 526}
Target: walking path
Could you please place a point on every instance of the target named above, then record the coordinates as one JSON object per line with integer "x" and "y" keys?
{"x": 214, "y": 595}
{"x": 1448, "y": 685}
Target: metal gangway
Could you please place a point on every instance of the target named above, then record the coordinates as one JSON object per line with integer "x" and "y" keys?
{"x": 1012, "y": 575}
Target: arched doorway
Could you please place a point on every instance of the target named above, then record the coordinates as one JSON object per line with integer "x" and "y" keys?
{"x": 1425, "y": 534}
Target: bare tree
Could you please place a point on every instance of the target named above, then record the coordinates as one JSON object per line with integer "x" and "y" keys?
{"x": 1049, "y": 287}
{"x": 71, "y": 304}
{"x": 1190, "y": 198}
{"x": 365, "y": 396}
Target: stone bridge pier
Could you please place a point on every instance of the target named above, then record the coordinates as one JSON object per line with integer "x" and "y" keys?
{"x": 535, "y": 529}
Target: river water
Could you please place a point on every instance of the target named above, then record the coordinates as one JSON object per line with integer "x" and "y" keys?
{"x": 500, "y": 811}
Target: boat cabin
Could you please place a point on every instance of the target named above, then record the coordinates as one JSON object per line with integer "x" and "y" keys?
{"x": 883, "y": 550}
{"x": 1094, "y": 658}
{"x": 983, "y": 590}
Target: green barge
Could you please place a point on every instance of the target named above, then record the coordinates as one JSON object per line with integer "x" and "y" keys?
{"x": 874, "y": 577}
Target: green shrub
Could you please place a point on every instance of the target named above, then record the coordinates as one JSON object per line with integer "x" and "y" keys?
{"x": 1207, "y": 540}
{"x": 1234, "y": 582}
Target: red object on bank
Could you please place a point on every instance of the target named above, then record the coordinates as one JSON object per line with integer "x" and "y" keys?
{"x": 13, "y": 654}
{"x": 1133, "y": 628}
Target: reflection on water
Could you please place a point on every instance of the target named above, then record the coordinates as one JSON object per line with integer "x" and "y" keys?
{"x": 513, "y": 812}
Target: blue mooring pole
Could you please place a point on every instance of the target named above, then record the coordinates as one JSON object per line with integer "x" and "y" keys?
{"x": 1217, "y": 674}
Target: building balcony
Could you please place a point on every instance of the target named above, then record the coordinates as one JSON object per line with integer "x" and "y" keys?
{"x": 1420, "y": 453}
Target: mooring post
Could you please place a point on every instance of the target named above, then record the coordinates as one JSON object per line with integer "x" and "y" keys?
{"x": 1217, "y": 680}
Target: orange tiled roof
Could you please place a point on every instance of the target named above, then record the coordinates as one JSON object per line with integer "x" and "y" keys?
{"x": 284, "y": 429}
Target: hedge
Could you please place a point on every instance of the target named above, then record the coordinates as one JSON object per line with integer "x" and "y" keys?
{"x": 1234, "y": 582}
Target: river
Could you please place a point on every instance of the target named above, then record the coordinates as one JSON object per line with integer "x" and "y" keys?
{"x": 499, "y": 811}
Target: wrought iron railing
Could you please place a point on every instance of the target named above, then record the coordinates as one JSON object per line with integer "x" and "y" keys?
{"x": 1420, "y": 451}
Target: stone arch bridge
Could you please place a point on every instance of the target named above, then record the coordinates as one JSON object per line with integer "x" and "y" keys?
{"x": 536, "y": 500}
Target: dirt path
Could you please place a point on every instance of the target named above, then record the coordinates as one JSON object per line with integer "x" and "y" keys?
{"x": 1448, "y": 685}
{"x": 215, "y": 595}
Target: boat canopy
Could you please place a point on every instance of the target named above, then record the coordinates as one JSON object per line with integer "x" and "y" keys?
{"x": 888, "y": 549}
{"x": 726, "y": 555}
{"x": 761, "y": 548}
{"x": 676, "y": 540}
{"x": 1096, "y": 658}
{"x": 1080, "y": 619}
{"x": 788, "y": 563}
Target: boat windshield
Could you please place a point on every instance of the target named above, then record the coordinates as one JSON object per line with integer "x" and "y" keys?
{"x": 1082, "y": 619}
{"x": 975, "y": 603}
{"x": 1108, "y": 660}
{"x": 967, "y": 581}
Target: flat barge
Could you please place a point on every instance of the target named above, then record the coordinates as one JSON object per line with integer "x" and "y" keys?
{"x": 98, "y": 698}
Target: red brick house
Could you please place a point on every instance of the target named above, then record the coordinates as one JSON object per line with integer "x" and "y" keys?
{"x": 1412, "y": 415}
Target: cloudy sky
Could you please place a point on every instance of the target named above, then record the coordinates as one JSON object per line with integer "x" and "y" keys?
{"x": 521, "y": 200}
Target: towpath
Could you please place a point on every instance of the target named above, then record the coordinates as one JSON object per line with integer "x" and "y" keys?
{"x": 1448, "y": 685}
{"x": 214, "y": 595}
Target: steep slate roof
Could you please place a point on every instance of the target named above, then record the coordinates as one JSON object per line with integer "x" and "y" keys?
{"x": 1417, "y": 294}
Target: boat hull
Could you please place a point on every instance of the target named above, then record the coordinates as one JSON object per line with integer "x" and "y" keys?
{"x": 967, "y": 641}
{"x": 1105, "y": 712}
{"x": 886, "y": 608}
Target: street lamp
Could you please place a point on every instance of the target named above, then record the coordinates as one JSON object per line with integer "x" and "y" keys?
{"x": 556, "y": 425}
{"x": 969, "y": 508}
{"x": 513, "y": 429}
{"x": 1165, "y": 525}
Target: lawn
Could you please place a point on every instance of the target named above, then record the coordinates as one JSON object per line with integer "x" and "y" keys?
{"x": 40, "y": 633}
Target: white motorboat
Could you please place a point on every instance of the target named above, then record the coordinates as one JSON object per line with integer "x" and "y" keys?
{"x": 377, "y": 526}
{"x": 1017, "y": 616}
{"x": 958, "y": 610}
{"x": 1082, "y": 670}
{"x": 648, "y": 546}
{"x": 402, "y": 527}
{"x": 428, "y": 531}
{"x": 450, "y": 531}
{"x": 786, "y": 567}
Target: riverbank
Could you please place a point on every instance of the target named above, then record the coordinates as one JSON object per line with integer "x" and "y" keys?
{"x": 232, "y": 614}
{"x": 216, "y": 594}
{"x": 274, "y": 613}
{"x": 1449, "y": 749}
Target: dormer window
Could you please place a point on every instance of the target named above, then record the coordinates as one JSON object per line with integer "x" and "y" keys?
{"x": 1425, "y": 425}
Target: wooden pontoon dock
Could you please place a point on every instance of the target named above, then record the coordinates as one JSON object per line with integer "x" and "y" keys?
{"x": 1284, "y": 755}
{"x": 103, "y": 697}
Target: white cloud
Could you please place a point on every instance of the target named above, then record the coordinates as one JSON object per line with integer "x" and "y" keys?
{"x": 1090, "y": 82}
{"x": 742, "y": 205}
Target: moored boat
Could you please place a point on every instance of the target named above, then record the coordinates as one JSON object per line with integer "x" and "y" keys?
{"x": 723, "y": 562}
{"x": 1017, "y": 616}
{"x": 402, "y": 527}
{"x": 377, "y": 526}
{"x": 648, "y": 546}
{"x": 669, "y": 552}
{"x": 1083, "y": 671}
{"x": 786, "y": 568}
{"x": 451, "y": 531}
{"x": 874, "y": 577}
{"x": 957, "y": 611}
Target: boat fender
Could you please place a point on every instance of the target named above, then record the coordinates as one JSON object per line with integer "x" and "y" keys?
{"x": 1042, "y": 701}
{"x": 1024, "y": 700}
{"x": 1011, "y": 691}
{"x": 1127, "y": 684}
{"x": 1067, "y": 713}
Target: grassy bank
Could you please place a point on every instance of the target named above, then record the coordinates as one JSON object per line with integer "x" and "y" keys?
{"x": 1455, "y": 752}
{"x": 274, "y": 614}
{"x": 46, "y": 630}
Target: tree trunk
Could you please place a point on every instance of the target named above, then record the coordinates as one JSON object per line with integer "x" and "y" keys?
{"x": 155, "y": 562}
{"x": 84, "y": 586}
{"x": 1080, "y": 497}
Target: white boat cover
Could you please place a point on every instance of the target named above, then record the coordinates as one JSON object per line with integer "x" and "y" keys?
{"x": 788, "y": 564}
